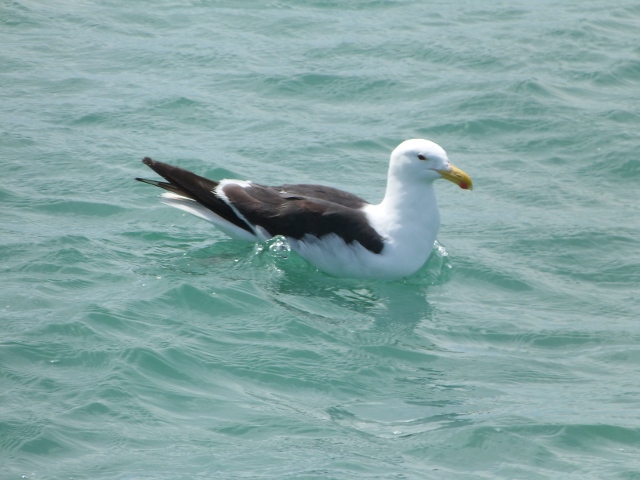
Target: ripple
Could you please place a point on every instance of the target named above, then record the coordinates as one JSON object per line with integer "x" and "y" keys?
{"x": 139, "y": 343}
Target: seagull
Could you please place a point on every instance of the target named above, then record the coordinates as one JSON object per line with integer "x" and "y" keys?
{"x": 337, "y": 231}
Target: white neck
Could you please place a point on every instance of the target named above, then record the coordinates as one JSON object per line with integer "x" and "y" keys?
{"x": 408, "y": 218}
{"x": 410, "y": 206}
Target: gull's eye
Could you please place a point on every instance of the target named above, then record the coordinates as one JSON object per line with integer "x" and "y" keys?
{"x": 421, "y": 157}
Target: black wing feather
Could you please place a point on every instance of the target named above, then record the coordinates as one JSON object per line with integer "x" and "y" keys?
{"x": 322, "y": 192}
{"x": 294, "y": 216}
{"x": 289, "y": 210}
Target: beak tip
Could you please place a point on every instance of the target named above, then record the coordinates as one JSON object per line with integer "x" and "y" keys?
{"x": 458, "y": 177}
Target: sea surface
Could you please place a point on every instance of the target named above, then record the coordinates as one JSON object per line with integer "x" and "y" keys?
{"x": 138, "y": 342}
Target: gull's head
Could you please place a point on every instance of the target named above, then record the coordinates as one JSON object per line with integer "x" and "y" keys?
{"x": 425, "y": 160}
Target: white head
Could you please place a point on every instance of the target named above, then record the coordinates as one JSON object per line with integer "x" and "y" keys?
{"x": 424, "y": 160}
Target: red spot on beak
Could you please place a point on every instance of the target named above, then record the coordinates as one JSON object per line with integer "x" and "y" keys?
{"x": 463, "y": 185}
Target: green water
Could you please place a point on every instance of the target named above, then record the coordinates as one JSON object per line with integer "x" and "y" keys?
{"x": 137, "y": 342}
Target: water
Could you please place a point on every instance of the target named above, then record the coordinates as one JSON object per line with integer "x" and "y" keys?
{"x": 140, "y": 343}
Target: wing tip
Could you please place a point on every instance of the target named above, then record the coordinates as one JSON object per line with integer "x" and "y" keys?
{"x": 148, "y": 161}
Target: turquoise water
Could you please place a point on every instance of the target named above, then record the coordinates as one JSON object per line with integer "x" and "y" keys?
{"x": 137, "y": 342}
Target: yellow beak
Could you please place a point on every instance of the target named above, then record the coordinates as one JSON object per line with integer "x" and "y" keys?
{"x": 458, "y": 177}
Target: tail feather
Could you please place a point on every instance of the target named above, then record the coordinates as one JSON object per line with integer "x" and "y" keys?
{"x": 181, "y": 178}
{"x": 193, "y": 187}
{"x": 165, "y": 186}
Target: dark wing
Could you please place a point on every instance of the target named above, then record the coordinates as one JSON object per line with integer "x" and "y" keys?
{"x": 289, "y": 210}
{"x": 294, "y": 215}
{"x": 324, "y": 193}
{"x": 190, "y": 185}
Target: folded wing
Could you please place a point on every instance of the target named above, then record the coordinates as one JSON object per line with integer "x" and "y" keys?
{"x": 290, "y": 210}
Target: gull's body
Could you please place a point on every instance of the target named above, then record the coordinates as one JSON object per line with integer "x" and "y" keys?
{"x": 336, "y": 231}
